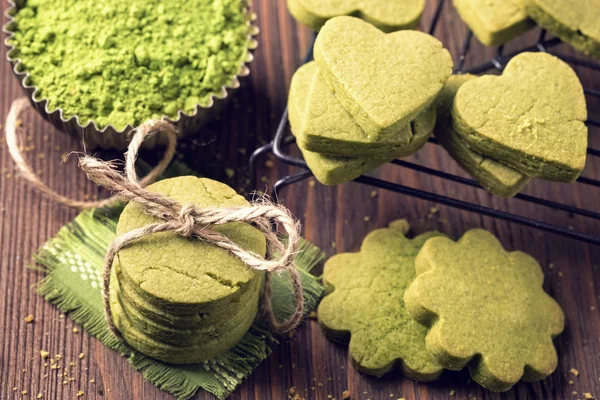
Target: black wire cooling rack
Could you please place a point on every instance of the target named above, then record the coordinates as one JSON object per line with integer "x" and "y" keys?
{"x": 283, "y": 140}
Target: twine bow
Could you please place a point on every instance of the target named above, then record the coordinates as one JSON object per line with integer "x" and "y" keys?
{"x": 186, "y": 220}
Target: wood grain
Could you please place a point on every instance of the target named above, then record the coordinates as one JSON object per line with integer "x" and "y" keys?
{"x": 316, "y": 368}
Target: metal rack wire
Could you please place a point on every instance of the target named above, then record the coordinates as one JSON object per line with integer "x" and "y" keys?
{"x": 283, "y": 140}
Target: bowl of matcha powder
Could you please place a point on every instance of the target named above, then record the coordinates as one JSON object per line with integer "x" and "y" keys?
{"x": 98, "y": 68}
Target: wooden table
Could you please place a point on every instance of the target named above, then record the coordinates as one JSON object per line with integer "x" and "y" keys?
{"x": 336, "y": 218}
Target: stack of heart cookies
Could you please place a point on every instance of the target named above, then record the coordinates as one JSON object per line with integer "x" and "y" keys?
{"x": 526, "y": 123}
{"x": 366, "y": 99}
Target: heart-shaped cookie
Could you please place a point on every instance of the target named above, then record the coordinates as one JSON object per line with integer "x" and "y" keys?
{"x": 494, "y": 22}
{"x": 341, "y": 129}
{"x": 387, "y": 15}
{"x": 531, "y": 117}
{"x": 383, "y": 80}
{"x": 494, "y": 176}
{"x": 575, "y": 22}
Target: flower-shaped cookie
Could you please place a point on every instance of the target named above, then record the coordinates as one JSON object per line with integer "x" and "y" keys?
{"x": 366, "y": 306}
{"x": 385, "y": 14}
{"x": 486, "y": 309}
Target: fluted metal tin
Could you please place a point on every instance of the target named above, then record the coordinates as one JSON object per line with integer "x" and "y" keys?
{"x": 109, "y": 137}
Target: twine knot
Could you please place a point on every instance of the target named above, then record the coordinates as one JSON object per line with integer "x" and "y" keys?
{"x": 185, "y": 220}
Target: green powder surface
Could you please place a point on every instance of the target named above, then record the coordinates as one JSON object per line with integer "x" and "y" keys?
{"x": 123, "y": 62}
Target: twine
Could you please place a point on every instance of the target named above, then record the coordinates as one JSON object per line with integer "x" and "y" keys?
{"x": 140, "y": 134}
{"x": 185, "y": 220}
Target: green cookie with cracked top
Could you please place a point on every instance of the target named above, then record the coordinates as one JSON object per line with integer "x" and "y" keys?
{"x": 188, "y": 275}
{"x": 494, "y": 176}
{"x": 383, "y": 80}
{"x": 386, "y": 15}
{"x": 531, "y": 117}
{"x": 366, "y": 304}
{"x": 575, "y": 22}
{"x": 485, "y": 309}
{"x": 494, "y": 22}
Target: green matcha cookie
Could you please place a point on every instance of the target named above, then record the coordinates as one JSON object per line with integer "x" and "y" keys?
{"x": 386, "y": 15}
{"x": 329, "y": 170}
{"x": 328, "y": 128}
{"x": 183, "y": 274}
{"x": 208, "y": 347}
{"x": 575, "y": 22}
{"x": 334, "y": 170}
{"x": 181, "y": 300}
{"x": 486, "y": 309}
{"x": 496, "y": 177}
{"x": 531, "y": 117}
{"x": 384, "y": 80}
{"x": 494, "y": 22}
{"x": 366, "y": 305}
{"x": 211, "y": 326}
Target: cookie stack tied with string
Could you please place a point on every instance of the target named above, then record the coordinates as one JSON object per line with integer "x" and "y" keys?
{"x": 527, "y": 123}
{"x": 182, "y": 300}
{"x": 366, "y": 99}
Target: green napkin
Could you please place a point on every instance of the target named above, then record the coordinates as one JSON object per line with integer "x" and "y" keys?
{"x": 74, "y": 260}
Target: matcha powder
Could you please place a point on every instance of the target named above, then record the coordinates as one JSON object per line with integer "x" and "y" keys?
{"x": 123, "y": 62}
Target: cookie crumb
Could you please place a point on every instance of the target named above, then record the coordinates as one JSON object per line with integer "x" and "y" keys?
{"x": 24, "y": 392}
{"x": 81, "y": 355}
{"x": 92, "y": 381}
{"x": 44, "y": 354}
{"x": 345, "y": 395}
{"x": 75, "y": 330}
{"x": 574, "y": 371}
{"x": 312, "y": 183}
{"x": 39, "y": 395}
{"x": 29, "y": 319}
{"x": 80, "y": 393}
{"x": 452, "y": 393}
{"x": 588, "y": 395}
{"x": 374, "y": 193}
{"x": 571, "y": 382}
{"x": 367, "y": 218}
{"x": 230, "y": 172}
{"x": 269, "y": 164}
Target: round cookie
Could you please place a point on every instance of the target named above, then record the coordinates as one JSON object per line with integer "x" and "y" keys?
{"x": 485, "y": 309}
{"x": 385, "y": 14}
{"x": 211, "y": 325}
{"x": 187, "y": 275}
{"x": 365, "y": 305}
{"x": 174, "y": 354}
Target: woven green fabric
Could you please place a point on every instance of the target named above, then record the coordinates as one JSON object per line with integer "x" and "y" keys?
{"x": 74, "y": 260}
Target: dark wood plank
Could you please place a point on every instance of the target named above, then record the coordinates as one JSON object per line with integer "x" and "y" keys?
{"x": 308, "y": 362}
